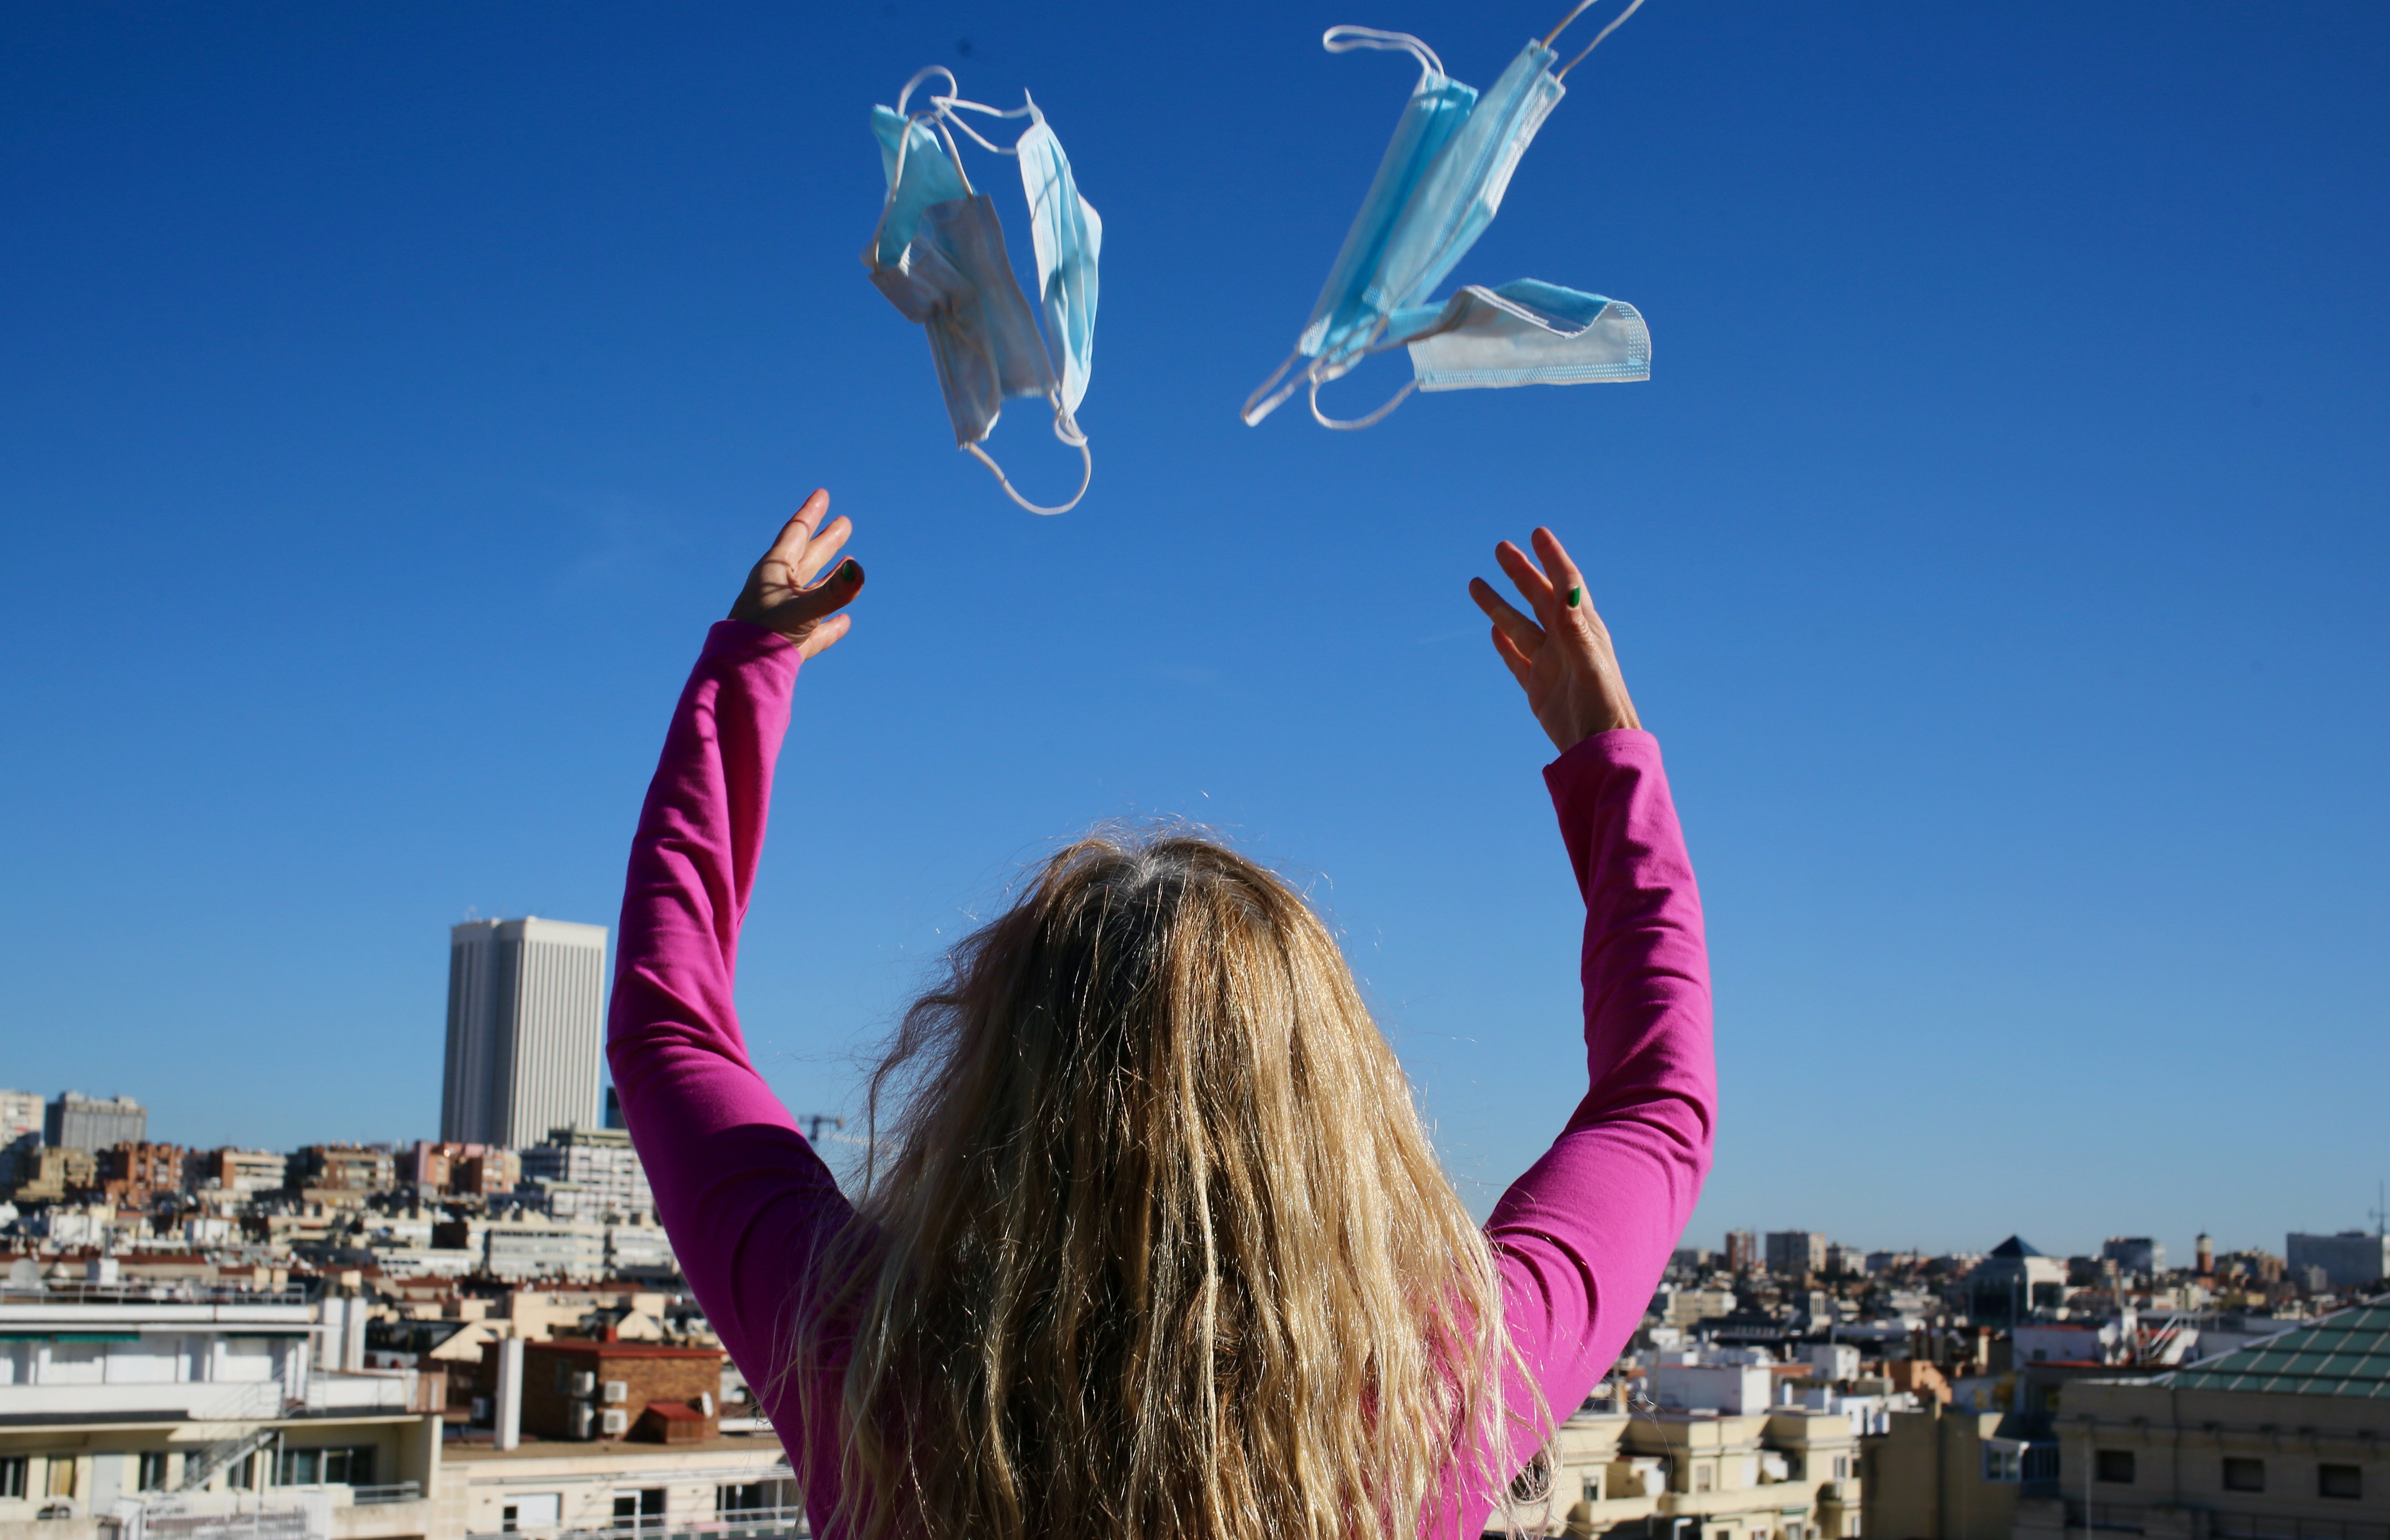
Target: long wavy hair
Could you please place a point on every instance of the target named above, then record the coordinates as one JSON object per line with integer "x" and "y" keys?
{"x": 1164, "y": 1251}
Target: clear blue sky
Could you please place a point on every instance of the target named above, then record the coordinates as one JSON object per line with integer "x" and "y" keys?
{"x": 392, "y": 394}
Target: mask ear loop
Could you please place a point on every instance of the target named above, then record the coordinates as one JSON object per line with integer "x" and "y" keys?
{"x": 1348, "y": 423}
{"x": 1072, "y": 437}
{"x": 1344, "y": 40}
{"x": 1583, "y": 6}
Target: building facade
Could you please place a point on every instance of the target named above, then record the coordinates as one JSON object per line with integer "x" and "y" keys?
{"x": 590, "y": 1174}
{"x": 2350, "y": 1260}
{"x": 1792, "y": 1254}
{"x": 526, "y": 1030}
{"x": 2288, "y": 1437}
{"x": 91, "y": 1123}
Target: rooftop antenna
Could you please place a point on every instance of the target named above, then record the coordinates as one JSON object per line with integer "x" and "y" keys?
{"x": 2381, "y": 1207}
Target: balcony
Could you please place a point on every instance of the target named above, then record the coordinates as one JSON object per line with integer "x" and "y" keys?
{"x": 753, "y": 1524}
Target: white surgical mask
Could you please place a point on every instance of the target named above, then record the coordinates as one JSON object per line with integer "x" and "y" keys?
{"x": 938, "y": 254}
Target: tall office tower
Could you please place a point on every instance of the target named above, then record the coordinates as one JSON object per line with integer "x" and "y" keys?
{"x": 20, "y": 1134}
{"x": 526, "y": 1029}
{"x": 92, "y": 1124}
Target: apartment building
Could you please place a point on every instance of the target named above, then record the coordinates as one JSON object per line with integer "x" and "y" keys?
{"x": 2287, "y": 1437}
{"x": 205, "y": 1401}
{"x": 342, "y": 1168}
{"x": 1779, "y": 1473}
{"x": 236, "y": 1171}
{"x": 588, "y": 1174}
{"x": 195, "y": 1412}
{"x": 133, "y": 1175}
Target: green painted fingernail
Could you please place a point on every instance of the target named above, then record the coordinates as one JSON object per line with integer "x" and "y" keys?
{"x": 1576, "y": 594}
{"x": 854, "y": 573}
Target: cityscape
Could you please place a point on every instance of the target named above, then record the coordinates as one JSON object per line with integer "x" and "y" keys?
{"x": 487, "y": 1333}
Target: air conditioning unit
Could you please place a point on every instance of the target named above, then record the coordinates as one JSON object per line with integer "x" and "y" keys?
{"x": 616, "y": 1392}
{"x": 615, "y": 1422}
{"x": 583, "y": 1382}
{"x": 584, "y": 1419}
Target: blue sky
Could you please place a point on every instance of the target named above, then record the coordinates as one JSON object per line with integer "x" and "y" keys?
{"x": 393, "y": 394}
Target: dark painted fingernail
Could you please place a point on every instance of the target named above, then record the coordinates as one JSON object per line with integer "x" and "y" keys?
{"x": 1576, "y": 594}
{"x": 854, "y": 573}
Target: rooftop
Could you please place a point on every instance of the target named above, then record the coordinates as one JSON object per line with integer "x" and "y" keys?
{"x": 2347, "y": 1354}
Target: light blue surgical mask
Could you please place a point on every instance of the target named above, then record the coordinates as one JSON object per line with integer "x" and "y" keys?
{"x": 938, "y": 254}
{"x": 1437, "y": 189}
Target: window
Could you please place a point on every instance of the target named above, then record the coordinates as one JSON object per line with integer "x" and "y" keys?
{"x": 1841, "y": 1467}
{"x": 2003, "y": 1463}
{"x": 1703, "y": 1477}
{"x": 2113, "y": 1466}
{"x": 744, "y": 1498}
{"x": 1795, "y": 1468}
{"x": 352, "y": 1467}
{"x": 12, "y": 1476}
{"x": 2243, "y": 1475}
{"x": 640, "y": 1510}
{"x": 243, "y": 1475}
{"x": 152, "y": 1474}
{"x": 531, "y": 1510}
{"x": 2339, "y": 1480}
{"x": 62, "y": 1476}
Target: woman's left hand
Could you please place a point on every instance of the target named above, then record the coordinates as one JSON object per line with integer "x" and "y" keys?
{"x": 780, "y": 592}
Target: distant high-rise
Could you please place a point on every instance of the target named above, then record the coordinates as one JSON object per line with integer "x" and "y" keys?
{"x": 92, "y": 1124}
{"x": 526, "y": 1030}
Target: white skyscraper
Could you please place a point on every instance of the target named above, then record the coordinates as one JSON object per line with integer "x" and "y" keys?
{"x": 526, "y": 1030}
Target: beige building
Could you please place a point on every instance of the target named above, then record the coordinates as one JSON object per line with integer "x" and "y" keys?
{"x": 2287, "y": 1439}
{"x": 1942, "y": 1472}
{"x": 1787, "y": 1473}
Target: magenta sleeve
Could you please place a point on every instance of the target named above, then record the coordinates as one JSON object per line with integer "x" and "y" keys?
{"x": 1582, "y": 1239}
{"x": 743, "y": 1195}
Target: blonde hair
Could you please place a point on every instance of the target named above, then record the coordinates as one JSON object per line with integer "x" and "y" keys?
{"x": 1164, "y": 1251}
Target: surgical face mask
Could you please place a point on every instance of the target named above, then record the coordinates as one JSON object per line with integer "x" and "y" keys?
{"x": 938, "y": 254}
{"x": 1437, "y": 189}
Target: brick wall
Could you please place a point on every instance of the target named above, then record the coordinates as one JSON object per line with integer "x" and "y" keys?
{"x": 648, "y": 1374}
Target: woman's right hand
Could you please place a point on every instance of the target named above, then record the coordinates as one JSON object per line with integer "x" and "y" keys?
{"x": 780, "y": 592}
{"x": 1562, "y": 658}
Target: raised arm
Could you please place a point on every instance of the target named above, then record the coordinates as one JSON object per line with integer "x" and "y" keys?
{"x": 1583, "y": 1238}
{"x": 739, "y": 1191}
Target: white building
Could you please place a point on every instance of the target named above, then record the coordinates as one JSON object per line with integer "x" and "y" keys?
{"x": 526, "y": 1029}
{"x": 590, "y": 1174}
{"x": 1736, "y": 1381}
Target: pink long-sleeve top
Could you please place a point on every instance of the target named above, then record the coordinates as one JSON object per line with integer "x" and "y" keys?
{"x": 1580, "y": 1239}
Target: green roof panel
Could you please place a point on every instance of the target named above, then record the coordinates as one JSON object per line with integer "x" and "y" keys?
{"x": 2346, "y": 1355}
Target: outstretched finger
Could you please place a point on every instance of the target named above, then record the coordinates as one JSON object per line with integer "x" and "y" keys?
{"x": 821, "y": 551}
{"x": 1522, "y": 631}
{"x": 819, "y": 638}
{"x": 1562, "y": 573}
{"x": 1517, "y": 662}
{"x": 790, "y": 544}
{"x": 1532, "y": 584}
